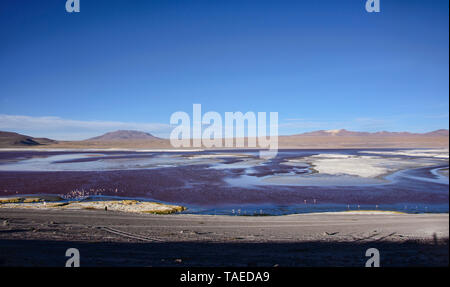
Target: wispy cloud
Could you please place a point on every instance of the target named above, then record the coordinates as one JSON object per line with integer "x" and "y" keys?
{"x": 67, "y": 129}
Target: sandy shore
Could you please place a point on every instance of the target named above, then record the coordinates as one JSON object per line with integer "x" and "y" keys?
{"x": 107, "y": 238}
{"x": 56, "y": 202}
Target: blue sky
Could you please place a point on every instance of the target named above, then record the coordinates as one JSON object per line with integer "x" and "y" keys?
{"x": 130, "y": 64}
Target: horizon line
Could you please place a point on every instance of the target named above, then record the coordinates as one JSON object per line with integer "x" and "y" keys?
{"x": 330, "y": 131}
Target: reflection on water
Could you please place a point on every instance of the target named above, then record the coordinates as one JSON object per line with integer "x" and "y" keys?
{"x": 89, "y": 162}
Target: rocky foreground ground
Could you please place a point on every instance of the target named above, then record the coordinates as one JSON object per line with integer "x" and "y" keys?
{"x": 109, "y": 238}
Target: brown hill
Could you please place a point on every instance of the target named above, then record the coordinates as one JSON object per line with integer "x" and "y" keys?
{"x": 10, "y": 139}
{"x": 441, "y": 132}
{"x": 127, "y": 135}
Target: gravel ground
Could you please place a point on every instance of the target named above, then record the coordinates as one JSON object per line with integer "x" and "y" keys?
{"x": 105, "y": 238}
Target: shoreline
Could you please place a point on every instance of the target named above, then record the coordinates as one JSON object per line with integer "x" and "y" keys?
{"x": 142, "y": 206}
{"x": 203, "y": 149}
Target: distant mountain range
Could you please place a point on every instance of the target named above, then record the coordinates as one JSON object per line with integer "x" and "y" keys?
{"x": 321, "y": 139}
{"x": 329, "y": 139}
{"x": 346, "y": 133}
